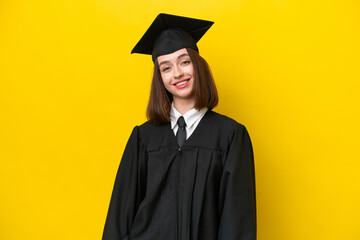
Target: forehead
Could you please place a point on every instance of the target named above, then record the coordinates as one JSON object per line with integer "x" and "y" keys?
{"x": 172, "y": 56}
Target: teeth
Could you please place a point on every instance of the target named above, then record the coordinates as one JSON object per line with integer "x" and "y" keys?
{"x": 181, "y": 83}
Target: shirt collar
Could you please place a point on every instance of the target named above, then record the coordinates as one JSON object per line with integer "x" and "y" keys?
{"x": 190, "y": 116}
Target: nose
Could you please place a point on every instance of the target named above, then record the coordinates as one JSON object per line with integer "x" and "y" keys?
{"x": 178, "y": 72}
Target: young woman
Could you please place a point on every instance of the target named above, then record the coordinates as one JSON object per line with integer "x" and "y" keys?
{"x": 188, "y": 172}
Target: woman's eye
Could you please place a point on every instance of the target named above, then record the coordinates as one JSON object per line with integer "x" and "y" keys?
{"x": 166, "y": 69}
{"x": 186, "y": 62}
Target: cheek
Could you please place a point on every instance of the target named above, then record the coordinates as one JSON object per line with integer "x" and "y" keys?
{"x": 165, "y": 78}
{"x": 165, "y": 81}
{"x": 190, "y": 70}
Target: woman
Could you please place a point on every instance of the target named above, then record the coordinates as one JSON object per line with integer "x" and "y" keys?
{"x": 188, "y": 172}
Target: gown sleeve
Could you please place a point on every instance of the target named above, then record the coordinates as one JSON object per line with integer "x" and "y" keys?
{"x": 237, "y": 189}
{"x": 129, "y": 190}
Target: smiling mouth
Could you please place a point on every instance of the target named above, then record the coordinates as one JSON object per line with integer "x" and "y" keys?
{"x": 182, "y": 82}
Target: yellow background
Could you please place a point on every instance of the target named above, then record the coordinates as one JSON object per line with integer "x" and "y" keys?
{"x": 70, "y": 94}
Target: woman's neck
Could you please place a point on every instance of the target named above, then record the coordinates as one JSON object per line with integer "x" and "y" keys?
{"x": 184, "y": 105}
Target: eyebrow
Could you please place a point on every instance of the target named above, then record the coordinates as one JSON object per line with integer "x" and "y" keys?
{"x": 180, "y": 56}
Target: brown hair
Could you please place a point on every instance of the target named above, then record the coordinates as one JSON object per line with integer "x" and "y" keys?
{"x": 158, "y": 110}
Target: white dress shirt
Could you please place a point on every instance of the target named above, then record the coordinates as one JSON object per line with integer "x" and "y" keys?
{"x": 192, "y": 119}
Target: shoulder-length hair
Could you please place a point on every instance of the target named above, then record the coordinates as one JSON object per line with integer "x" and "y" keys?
{"x": 158, "y": 110}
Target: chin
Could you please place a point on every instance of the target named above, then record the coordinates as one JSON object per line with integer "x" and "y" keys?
{"x": 186, "y": 96}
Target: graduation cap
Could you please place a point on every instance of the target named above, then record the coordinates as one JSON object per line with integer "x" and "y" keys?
{"x": 169, "y": 33}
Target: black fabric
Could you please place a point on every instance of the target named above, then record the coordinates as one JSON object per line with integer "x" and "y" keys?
{"x": 205, "y": 191}
{"x": 171, "y": 40}
{"x": 169, "y": 33}
{"x": 181, "y": 132}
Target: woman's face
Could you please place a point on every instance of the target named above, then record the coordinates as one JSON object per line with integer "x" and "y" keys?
{"x": 177, "y": 73}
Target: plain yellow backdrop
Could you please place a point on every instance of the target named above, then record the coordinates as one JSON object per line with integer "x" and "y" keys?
{"x": 71, "y": 92}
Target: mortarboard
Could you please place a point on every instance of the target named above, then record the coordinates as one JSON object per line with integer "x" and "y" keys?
{"x": 169, "y": 33}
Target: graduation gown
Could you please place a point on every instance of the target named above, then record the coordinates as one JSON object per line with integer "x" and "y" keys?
{"x": 203, "y": 191}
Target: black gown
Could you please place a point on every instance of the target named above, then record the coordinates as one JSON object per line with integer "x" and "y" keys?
{"x": 203, "y": 191}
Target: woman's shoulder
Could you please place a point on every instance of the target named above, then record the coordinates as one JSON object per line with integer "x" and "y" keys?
{"x": 223, "y": 121}
{"x": 149, "y": 126}
{"x": 211, "y": 117}
{"x": 149, "y": 129}
{"x": 213, "y": 121}
{"x": 228, "y": 128}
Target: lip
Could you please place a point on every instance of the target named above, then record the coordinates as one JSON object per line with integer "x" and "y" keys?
{"x": 183, "y": 85}
{"x": 187, "y": 79}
